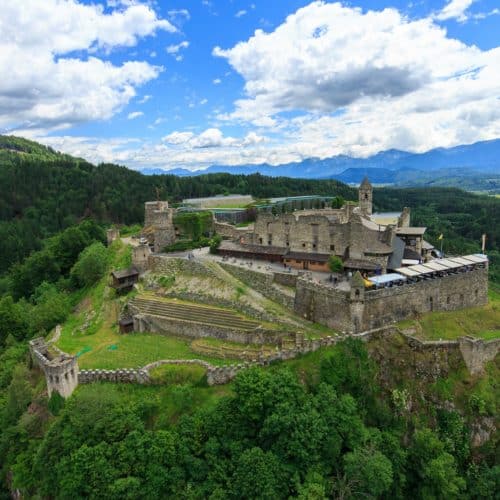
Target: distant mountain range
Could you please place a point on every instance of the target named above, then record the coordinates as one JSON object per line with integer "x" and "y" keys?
{"x": 480, "y": 160}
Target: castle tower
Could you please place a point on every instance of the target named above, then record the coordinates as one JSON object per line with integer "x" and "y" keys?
{"x": 140, "y": 256}
{"x": 357, "y": 301}
{"x": 112, "y": 234}
{"x": 366, "y": 197}
{"x": 159, "y": 224}
{"x": 404, "y": 218}
{"x": 60, "y": 369}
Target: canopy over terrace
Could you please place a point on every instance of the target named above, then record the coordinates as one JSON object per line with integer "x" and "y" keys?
{"x": 442, "y": 265}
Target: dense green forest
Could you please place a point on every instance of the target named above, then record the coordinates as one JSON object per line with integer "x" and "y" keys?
{"x": 319, "y": 427}
{"x": 273, "y": 435}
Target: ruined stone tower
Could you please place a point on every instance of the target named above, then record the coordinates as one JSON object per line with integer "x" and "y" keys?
{"x": 60, "y": 369}
{"x": 159, "y": 224}
{"x": 112, "y": 234}
{"x": 366, "y": 197}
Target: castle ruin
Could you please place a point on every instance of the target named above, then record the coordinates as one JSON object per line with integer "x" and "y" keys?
{"x": 159, "y": 224}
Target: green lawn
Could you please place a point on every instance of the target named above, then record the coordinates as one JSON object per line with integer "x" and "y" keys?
{"x": 482, "y": 322}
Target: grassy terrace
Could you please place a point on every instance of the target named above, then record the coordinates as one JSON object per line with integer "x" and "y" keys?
{"x": 482, "y": 322}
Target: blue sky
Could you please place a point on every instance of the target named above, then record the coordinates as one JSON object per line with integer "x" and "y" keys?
{"x": 190, "y": 83}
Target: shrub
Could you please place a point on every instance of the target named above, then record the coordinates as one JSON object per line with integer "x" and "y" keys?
{"x": 91, "y": 265}
{"x": 335, "y": 264}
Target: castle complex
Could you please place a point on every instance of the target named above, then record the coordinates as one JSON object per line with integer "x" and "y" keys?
{"x": 391, "y": 272}
{"x": 306, "y": 239}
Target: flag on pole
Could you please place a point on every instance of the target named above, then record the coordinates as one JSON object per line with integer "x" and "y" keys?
{"x": 440, "y": 237}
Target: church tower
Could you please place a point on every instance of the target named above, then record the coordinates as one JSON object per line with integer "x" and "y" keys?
{"x": 365, "y": 197}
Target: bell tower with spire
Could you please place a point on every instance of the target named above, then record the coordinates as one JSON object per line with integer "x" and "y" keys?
{"x": 365, "y": 197}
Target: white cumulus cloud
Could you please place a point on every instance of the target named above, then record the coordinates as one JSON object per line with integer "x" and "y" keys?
{"x": 372, "y": 79}
{"x": 455, "y": 9}
{"x": 48, "y": 86}
{"x": 134, "y": 115}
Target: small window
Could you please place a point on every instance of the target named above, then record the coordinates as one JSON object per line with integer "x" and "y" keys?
{"x": 260, "y": 241}
{"x": 332, "y": 247}
{"x": 447, "y": 300}
{"x": 287, "y": 244}
{"x": 356, "y": 293}
{"x": 269, "y": 242}
{"x": 303, "y": 245}
{"x": 314, "y": 245}
{"x": 366, "y": 196}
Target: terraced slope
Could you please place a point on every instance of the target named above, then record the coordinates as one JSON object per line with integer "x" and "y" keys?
{"x": 192, "y": 312}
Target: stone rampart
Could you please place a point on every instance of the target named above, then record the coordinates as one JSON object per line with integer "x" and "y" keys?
{"x": 447, "y": 293}
{"x": 323, "y": 304}
{"x": 260, "y": 281}
{"x": 377, "y": 308}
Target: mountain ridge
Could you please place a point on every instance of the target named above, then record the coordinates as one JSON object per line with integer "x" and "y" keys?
{"x": 480, "y": 157}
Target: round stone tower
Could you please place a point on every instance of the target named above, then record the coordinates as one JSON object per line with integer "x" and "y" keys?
{"x": 365, "y": 197}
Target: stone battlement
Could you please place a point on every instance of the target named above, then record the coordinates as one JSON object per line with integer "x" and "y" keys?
{"x": 360, "y": 309}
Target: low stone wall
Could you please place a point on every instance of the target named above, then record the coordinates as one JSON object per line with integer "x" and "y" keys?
{"x": 124, "y": 375}
{"x": 156, "y": 364}
{"x": 194, "y": 330}
{"x": 224, "y": 374}
{"x": 260, "y": 281}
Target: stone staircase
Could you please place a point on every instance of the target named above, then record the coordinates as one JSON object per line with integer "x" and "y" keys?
{"x": 192, "y": 312}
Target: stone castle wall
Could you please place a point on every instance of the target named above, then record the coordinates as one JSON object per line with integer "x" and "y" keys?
{"x": 194, "y": 330}
{"x": 323, "y": 304}
{"x": 448, "y": 293}
{"x": 336, "y": 309}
